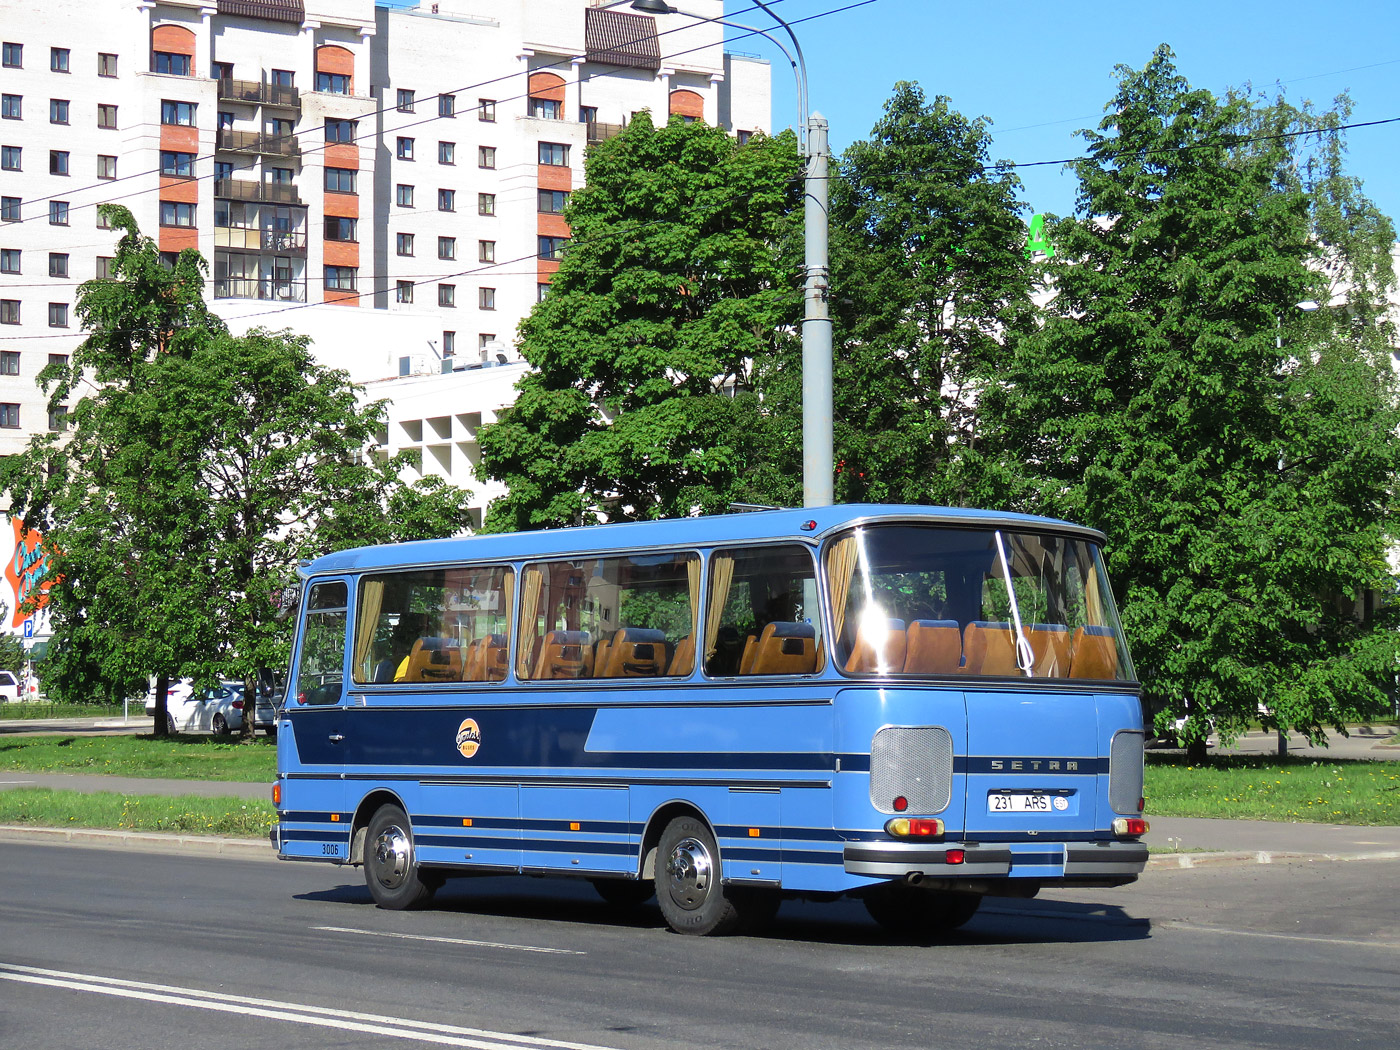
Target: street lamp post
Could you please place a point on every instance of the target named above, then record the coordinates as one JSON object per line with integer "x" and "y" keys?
{"x": 818, "y": 455}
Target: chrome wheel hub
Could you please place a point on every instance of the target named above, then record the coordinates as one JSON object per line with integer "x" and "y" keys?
{"x": 690, "y": 873}
{"x": 392, "y": 856}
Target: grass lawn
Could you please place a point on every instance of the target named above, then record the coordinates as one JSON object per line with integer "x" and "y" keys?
{"x": 178, "y": 757}
{"x": 1251, "y": 787}
{"x": 49, "y": 710}
{"x": 187, "y": 814}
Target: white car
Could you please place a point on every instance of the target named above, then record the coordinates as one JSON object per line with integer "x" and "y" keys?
{"x": 216, "y": 710}
{"x": 9, "y": 686}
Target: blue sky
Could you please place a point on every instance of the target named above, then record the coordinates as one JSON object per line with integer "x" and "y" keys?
{"x": 1042, "y": 70}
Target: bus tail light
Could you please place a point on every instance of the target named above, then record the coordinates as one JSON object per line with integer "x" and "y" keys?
{"x": 955, "y": 856}
{"x": 277, "y": 793}
{"x": 915, "y": 827}
{"x": 1130, "y": 827}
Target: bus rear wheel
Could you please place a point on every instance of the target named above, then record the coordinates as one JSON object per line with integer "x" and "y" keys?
{"x": 391, "y": 870}
{"x": 920, "y": 913}
{"x": 689, "y": 886}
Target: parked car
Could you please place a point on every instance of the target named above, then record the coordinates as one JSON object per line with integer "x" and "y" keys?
{"x": 9, "y": 686}
{"x": 218, "y": 709}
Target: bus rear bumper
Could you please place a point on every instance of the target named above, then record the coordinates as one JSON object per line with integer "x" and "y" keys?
{"x": 915, "y": 861}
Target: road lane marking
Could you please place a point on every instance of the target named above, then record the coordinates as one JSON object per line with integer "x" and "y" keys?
{"x": 320, "y": 1016}
{"x": 449, "y": 940}
{"x": 1391, "y": 945}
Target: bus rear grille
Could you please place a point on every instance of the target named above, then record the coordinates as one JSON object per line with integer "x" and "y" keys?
{"x": 915, "y": 762}
{"x": 1125, "y": 772}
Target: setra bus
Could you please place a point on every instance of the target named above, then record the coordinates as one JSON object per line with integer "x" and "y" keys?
{"x": 916, "y": 706}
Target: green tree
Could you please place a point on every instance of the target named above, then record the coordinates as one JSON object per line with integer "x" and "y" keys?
{"x": 678, "y": 286}
{"x": 1239, "y": 452}
{"x": 929, "y": 275}
{"x": 199, "y": 468}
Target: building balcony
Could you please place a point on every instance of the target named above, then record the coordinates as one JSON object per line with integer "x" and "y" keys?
{"x": 230, "y": 141}
{"x": 250, "y": 239}
{"x": 254, "y": 93}
{"x": 259, "y": 288}
{"x": 267, "y": 192}
{"x": 601, "y": 132}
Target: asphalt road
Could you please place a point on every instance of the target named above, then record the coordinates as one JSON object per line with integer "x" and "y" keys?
{"x": 129, "y": 950}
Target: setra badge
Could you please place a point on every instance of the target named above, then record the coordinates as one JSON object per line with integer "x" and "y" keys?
{"x": 468, "y": 737}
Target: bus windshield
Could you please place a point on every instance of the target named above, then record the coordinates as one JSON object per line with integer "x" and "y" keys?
{"x": 910, "y": 599}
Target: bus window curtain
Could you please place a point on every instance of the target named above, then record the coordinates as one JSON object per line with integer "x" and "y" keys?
{"x": 721, "y": 575}
{"x": 366, "y": 627}
{"x": 529, "y": 629}
{"x": 507, "y": 586}
{"x": 840, "y": 571}
{"x": 692, "y": 576}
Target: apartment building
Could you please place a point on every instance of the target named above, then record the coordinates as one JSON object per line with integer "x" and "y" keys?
{"x": 388, "y": 180}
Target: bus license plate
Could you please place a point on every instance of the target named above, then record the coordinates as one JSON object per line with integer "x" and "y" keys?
{"x": 1018, "y": 802}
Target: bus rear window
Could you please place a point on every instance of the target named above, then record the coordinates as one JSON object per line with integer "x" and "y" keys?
{"x": 936, "y": 601}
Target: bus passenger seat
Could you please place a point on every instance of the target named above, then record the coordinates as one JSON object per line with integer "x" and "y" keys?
{"x": 384, "y": 671}
{"x": 786, "y": 647}
{"x": 564, "y": 654}
{"x": 989, "y": 648}
{"x": 934, "y": 647}
{"x": 600, "y": 657}
{"x": 434, "y": 660}
{"x": 684, "y": 661}
{"x": 474, "y": 661}
{"x": 1095, "y": 653}
{"x": 637, "y": 652}
{"x": 496, "y": 645}
{"x": 880, "y": 647}
{"x": 1050, "y": 644}
{"x": 750, "y": 651}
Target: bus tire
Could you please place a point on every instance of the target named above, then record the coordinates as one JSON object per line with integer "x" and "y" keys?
{"x": 391, "y": 870}
{"x": 689, "y": 883}
{"x": 624, "y": 893}
{"x": 920, "y": 913}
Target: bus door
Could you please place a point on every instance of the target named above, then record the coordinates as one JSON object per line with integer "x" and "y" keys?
{"x": 313, "y": 788}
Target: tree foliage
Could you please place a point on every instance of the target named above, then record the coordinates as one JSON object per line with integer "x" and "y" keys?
{"x": 677, "y": 288}
{"x": 1239, "y": 452}
{"x": 198, "y": 469}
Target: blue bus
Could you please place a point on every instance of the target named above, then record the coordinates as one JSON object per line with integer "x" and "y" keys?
{"x": 915, "y": 706}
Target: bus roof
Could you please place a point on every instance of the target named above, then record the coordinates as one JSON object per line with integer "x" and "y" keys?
{"x": 754, "y": 526}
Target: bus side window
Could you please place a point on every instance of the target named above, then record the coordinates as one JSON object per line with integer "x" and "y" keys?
{"x": 321, "y": 670}
{"x": 761, "y": 615}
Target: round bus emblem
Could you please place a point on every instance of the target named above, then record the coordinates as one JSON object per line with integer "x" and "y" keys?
{"x": 1061, "y": 803}
{"x": 468, "y": 737}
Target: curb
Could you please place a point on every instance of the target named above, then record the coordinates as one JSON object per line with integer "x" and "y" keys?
{"x": 1177, "y": 861}
{"x": 142, "y": 841}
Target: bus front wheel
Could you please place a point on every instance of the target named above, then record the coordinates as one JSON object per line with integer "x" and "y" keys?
{"x": 391, "y": 870}
{"x": 689, "y": 887}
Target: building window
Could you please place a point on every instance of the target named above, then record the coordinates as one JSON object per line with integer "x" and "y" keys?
{"x": 447, "y": 153}
{"x": 339, "y": 228}
{"x": 59, "y": 359}
{"x": 279, "y": 176}
{"x": 552, "y": 202}
{"x": 225, "y": 120}
{"x": 58, "y": 162}
{"x": 58, "y": 315}
{"x": 106, "y": 64}
{"x": 12, "y": 107}
{"x": 447, "y": 247}
{"x": 168, "y": 259}
{"x": 404, "y": 242}
{"x": 544, "y": 108}
{"x": 449, "y": 343}
{"x": 743, "y": 137}
{"x": 484, "y": 340}
{"x": 340, "y": 278}
{"x": 486, "y": 204}
{"x": 107, "y": 117}
{"x": 58, "y": 213}
{"x": 177, "y": 164}
{"x": 13, "y": 56}
{"x": 486, "y": 298}
{"x": 10, "y": 158}
{"x": 181, "y": 113}
{"x": 106, "y": 166}
{"x": 404, "y": 150}
{"x": 103, "y": 222}
{"x": 104, "y": 272}
{"x": 9, "y": 416}
{"x": 58, "y": 264}
{"x": 486, "y": 156}
{"x": 58, "y": 417}
{"x": 174, "y": 213}
{"x": 405, "y": 100}
{"x": 340, "y": 130}
{"x": 447, "y": 295}
{"x": 486, "y": 251}
{"x": 447, "y": 200}
{"x": 552, "y": 247}
{"x": 333, "y": 83}
{"x": 403, "y": 195}
{"x": 9, "y": 209}
{"x": 168, "y": 62}
{"x": 554, "y": 153}
{"x": 222, "y": 170}
{"x": 403, "y": 292}
{"x": 280, "y": 78}
{"x": 340, "y": 180}
{"x": 58, "y": 59}
{"x": 9, "y": 362}
{"x": 588, "y": 114}
{"x": 9, "y": 311}
{"x": 58, "y": 111}
{"x": 486, "y": 110}
{"x": 10, "y": 259}
{"x": 447, "y": 105}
